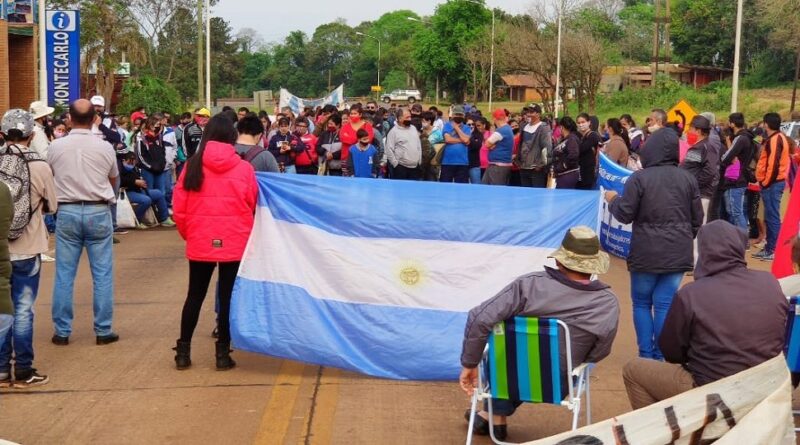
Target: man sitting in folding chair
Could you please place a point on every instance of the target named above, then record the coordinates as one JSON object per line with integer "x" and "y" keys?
{"x": 569, "y": 294}
{"x": 729, "y": 320}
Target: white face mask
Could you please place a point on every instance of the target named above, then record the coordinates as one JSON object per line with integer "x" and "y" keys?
{"x": 653, "y": 128}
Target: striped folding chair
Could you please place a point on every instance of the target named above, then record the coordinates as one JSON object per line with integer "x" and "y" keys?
{"x": 792, "y": 346}
{"x": 522, "y": 362}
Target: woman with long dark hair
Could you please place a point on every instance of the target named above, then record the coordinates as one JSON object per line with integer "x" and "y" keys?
{"x": 617, "y": 149}
{"x": 566, "y": 155}
{"x": 590, "y": 143}
{"x": 151, "y": 154}
{"x": 214, "y": 205}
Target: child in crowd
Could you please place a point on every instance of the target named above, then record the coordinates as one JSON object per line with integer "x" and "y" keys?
{"x": 364, "y": 160}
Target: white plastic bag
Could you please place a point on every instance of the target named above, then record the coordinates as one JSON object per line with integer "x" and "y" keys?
{"x": 126, "y": 218}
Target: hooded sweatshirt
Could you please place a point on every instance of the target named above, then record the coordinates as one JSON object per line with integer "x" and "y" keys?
{"x": 663, "y": 202}
{"x": 216, "y": 221}
{"x": 731, "y": 318}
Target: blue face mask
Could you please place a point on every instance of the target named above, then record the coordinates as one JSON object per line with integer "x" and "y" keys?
{"x": 127, "y": 167}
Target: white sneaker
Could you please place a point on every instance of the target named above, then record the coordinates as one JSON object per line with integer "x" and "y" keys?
{"x": 47, "y": 258}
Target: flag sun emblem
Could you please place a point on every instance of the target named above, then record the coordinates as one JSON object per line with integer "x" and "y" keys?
{"x": 410, "y": 273}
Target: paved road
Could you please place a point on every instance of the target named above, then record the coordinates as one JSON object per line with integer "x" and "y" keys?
{"x": 129, "y": 392}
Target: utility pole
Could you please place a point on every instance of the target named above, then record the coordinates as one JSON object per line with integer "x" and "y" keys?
{"x": 736, "y": 58}
{"x": 208, "y": 54}
{"x": 200, "y": 32}
{"x": 794, "y": 86}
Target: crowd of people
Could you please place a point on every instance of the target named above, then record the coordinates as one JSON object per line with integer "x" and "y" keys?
{"x": 705, "y": 182}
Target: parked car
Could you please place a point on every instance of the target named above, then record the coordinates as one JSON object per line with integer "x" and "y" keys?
{"x": 410, "y": 96}
{"x": 792, "y": 130}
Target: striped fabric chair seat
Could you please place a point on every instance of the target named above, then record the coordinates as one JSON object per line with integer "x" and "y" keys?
{"x": 532, "y": 373}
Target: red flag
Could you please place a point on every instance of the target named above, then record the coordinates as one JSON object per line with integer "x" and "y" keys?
{"x": 782, "y": 266}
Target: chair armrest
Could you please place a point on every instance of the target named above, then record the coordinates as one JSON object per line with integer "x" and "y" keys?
{"x": 581, "y": 368}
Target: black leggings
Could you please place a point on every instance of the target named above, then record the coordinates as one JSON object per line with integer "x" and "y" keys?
{"x": 199, "y": 278}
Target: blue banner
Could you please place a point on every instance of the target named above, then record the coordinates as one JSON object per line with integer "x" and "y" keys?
{"x": 615, "y": 237}
{"x": 63, "y": 57}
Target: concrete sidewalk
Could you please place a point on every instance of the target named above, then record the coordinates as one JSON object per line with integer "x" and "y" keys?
{"x": 130, "y": 392}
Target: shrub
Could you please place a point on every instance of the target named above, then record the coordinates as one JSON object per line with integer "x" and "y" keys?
{"x": 150, "y": 92}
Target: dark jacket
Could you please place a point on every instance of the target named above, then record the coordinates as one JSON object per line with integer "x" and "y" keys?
{"x": 329, "y": 142}
{"x": 535, "y": 150}
{"x": 295, "y": 143}
{"x": 663, "y": 202}
{"x": 590, "y": 310}
{"x": 703, "y": 164}
{"x": 474, "y": 148}
{"x": 566, "y": 155}
{"x": 589, "y": 145}
{"x": 743, "y": 149}
{"x": 731, "y": 318}
{"x": 151, "y": 153}
{"x": 128, "y": 179}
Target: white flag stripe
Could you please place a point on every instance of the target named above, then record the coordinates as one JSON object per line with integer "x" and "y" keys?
{"x": 445, "y": 275}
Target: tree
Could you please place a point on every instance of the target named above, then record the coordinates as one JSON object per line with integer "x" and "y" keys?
{"x": 151, "y": 92}
{"x": 477, "y": 54}
{"x": 330, "y": 55}
{"x": 636, "y": 22}
{"x": 437, "y": 49}
{"x": 786, "y": 35}
{"x": 152, "y": 16}
{"x": 532, "y": 51}
{"x": 249, "y": 40}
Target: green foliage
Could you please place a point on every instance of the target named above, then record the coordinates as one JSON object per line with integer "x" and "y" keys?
{"x": 636, "y": 21}
{"x": 715, "y": 96}
{"x": 770, "y": 68}
{"x": 438, "y": 49}
{"x": 151, "y": 92}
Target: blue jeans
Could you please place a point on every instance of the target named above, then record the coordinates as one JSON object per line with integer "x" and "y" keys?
{"x": 155, "y": 181}
{"x": 19, "y": 341}
{"x": 6, "y": 321}
{"x": 170, "y": 183}
{"x": 475, "y": 175}
{"x": 772, "y": 213}
{"x": 734, "y": 207}
{"x": 80, "y": 226}
{"x": 113, "y": 206}
{"x": 143, "y": 202}
{"x": 291, "y": 169}
{"x": 652, "y": 297}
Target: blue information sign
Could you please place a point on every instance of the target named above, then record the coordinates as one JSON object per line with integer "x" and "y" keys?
{"x": 63, "y": 57}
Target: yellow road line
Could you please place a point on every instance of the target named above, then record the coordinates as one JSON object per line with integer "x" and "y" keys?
{"x": 327, "y": 398}
{"x": 278, "y": 413}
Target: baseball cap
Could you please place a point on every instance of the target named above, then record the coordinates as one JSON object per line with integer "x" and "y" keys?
{"x": 98, "y": 101}
{"x": 17, "y": 119}
{"x": 499, "y": 114}
{"x": 701, "y": 123}
{"x": 710, "y": 116}
{"x": 535, "y": 108}
{"x": 458, "y": 109}
{"x": 203, "y": 112}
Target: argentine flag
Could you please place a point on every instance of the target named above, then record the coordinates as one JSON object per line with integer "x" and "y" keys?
{"x": 377, "y": 276}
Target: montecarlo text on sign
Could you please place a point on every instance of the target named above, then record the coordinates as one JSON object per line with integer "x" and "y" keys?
{"x": 63, "y": 57}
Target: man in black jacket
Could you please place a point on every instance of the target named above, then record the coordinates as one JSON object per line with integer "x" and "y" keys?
{"x": 730, "y": 319}
{"x": 736, "y": 172}
{"x": 702, "y": 160}
{"x": 663, "y": 203}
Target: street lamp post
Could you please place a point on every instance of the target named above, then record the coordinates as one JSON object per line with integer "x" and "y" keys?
{"x": 736, "y": 58}
{"x": 42, "y": 29}
{"x": 558, "y": 59}
{"x": 379, "y": 56}
{"x": 208, "y": 54}
{"x": 491, "y": 64}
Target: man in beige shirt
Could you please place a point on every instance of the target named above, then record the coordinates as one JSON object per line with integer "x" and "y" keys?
{"x": 85, "y": 169}
{"x": 27, "y": 241}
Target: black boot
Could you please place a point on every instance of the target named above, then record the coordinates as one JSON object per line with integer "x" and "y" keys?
{"x": 182, "y": 351}
{"x": 224, "y": 360}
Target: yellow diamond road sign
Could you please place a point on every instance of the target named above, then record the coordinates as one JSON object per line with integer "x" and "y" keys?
{"x": 682, "y": 113}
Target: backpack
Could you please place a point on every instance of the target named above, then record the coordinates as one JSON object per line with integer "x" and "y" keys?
{"x": 16, "y": 174}
{"x": 253, "y": 153}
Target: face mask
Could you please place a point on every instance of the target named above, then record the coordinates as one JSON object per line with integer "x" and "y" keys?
{"x": 584, "y": 127}
{"x": 458, "y": 120}
{"x": 59, "y": 134}
{"x": 127, "y": 167}
{"x": 653, "y": 128}
{"x": 529, "y": 119}
{"x": 691, "y": 138}
{"x": 516, "y": 130}
{"x": 407, "y": 123}
{"x": 355, "y": 119}
{"x": 363, "y": 143}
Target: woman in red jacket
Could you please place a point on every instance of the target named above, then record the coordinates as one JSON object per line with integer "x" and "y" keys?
{"x": 348, "y": 133}
{"x": 214, "y": 204}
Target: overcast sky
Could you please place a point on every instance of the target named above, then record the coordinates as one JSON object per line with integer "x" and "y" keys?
{"x": 275, "y": 19}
